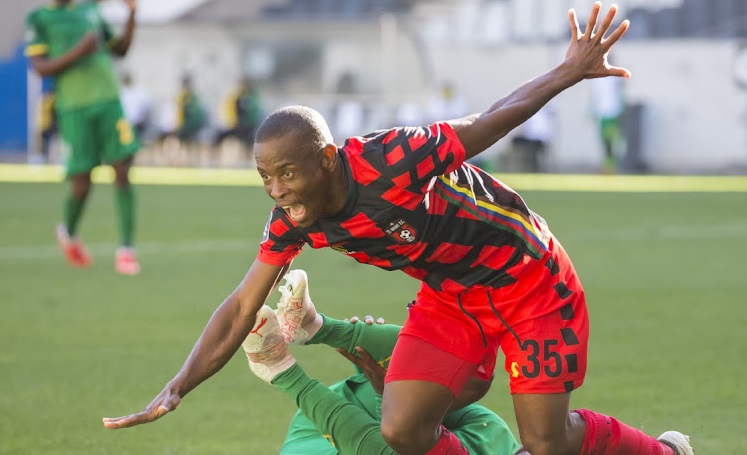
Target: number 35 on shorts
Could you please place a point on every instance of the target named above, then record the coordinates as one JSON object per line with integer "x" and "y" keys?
{"x": 541, "y": 358}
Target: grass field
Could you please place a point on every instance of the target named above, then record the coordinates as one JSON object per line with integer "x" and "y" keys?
{"x": 664, "y": 273}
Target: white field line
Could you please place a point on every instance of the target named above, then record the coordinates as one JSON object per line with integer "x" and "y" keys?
{"x": 617, "y": 234}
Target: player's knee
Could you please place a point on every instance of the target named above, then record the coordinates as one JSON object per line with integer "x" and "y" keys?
{"x": 407, "y": 437}
{"x": 122, "y": 177}
{"x": 80, "y": 187}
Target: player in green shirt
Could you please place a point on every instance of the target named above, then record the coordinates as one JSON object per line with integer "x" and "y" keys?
{"x": 71, "y": 42}
{"x": 345, "y": 417}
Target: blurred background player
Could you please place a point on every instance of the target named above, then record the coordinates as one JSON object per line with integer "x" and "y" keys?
{"x": 242, "y": 112}
{"x": 608, "y": 108}
{"x": 191, "y": 117}
{"x": 345, "y": 417}
{"x": 533, "y": 140}
{"x": 71, "y": 41}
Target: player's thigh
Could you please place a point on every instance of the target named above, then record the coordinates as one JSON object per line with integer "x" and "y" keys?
{"x": 117, "y": 139}
{"x": 421, "y": 384}
{"x": 78, "y": 141}
{"x": 548, "y": 353}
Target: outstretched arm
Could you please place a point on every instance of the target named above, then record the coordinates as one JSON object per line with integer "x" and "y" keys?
{"x": 586, "y": 58}
{"x": 220, "y": 339}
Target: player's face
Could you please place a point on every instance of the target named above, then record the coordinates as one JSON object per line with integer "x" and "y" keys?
{"x": 297, "y": 179}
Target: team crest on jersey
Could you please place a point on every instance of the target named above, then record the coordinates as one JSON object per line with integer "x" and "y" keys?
{"x": 401, "y": 231}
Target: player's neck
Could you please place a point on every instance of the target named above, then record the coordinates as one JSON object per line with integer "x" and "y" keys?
{"x": 339, "y": 188}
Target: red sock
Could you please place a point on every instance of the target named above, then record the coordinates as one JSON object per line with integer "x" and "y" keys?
{"x": 448, "y": 445}
{"x": 606, "y": 435}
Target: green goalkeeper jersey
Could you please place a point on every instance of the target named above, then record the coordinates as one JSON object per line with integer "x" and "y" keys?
{"x": 479, "y": 429}
{"x": 55, "y": 29}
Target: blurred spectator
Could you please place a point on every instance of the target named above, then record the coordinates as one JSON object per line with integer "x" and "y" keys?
{"x": 180, "y": 125}
{"x": 46, "y": 122}
{"x": 242, "y": 111}
{"x": 169, "y": 147}
{"x": 136, "y": 103}
{"x": 608, "y": 108}
{"x": 191, "y": 115}
{"x": 534, "y": 137}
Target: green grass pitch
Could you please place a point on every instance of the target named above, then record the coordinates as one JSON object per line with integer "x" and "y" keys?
{"x": 664, "y": 274}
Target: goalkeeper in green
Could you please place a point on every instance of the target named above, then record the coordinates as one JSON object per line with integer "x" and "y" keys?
{"x": 344, "y": 418}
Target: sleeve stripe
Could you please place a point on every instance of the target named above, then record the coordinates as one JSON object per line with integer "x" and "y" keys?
{"x": 34, "y": 50}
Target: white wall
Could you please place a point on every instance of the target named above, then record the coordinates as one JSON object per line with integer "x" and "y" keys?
{"x": 161, "y": 54}
{"x": 694, "y": 112}
{"x": 695, "y": 119}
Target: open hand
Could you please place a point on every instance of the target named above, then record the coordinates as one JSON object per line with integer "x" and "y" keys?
{"x": 165, "y": 402}
{"x": 588, "y": 51}
{"x": 369, "y": 366}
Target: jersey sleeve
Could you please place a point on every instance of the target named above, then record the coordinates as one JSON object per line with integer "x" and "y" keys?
{"x": 36, "y": 40}
{"x": 280, "y": 240}
{"x": 412, "y": 156}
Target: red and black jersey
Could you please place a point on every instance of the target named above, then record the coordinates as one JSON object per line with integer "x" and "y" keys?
{"x": 414, "y": 205}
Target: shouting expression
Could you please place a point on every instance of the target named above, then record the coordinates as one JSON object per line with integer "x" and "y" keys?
{"x": 299, "y": 178}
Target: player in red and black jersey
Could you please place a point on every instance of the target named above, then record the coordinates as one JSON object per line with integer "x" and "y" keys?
{"x": 492, "y": 273}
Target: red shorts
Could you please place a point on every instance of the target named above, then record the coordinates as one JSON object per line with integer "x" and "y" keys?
{"x": 540, "y": 322}
{"x": 417, "y": 359}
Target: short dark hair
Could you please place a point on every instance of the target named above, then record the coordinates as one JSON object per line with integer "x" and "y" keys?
{"x": 308, "y": 124}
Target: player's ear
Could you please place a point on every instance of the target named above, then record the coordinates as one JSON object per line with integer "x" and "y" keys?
{"x": 329, "y": 156}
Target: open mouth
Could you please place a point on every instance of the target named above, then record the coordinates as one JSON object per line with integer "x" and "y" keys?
{"x": 296, "y": 212}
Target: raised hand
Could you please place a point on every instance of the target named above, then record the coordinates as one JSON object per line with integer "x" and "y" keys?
{"x": 131, "y": 4}
{"x": 588, "y": 51}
